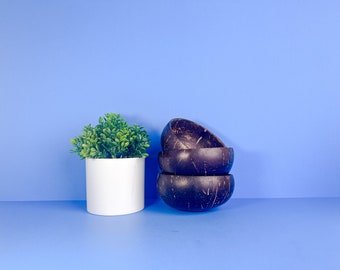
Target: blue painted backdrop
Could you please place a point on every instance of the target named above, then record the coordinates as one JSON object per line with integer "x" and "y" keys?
{"x": 262, "y": 75}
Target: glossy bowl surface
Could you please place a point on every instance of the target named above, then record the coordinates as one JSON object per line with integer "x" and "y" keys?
{"x": 181, "y": 133}
{"x": 195, "y": 193}
{"x": 199, "y": 161}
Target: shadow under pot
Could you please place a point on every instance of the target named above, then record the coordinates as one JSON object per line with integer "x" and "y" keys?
{"x": 180, "y": 133}
{"x": 195, "y": 193}
{"x": 200, "y": 161}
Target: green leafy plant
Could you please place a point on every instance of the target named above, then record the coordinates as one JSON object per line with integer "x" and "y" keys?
{"x": 112, "y": 137}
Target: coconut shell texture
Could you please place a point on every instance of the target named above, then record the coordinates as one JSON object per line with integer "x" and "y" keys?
{"x": 195, "y": 193}
{"x": 200, "y": 161}
{"x": 185, "y": 134}
{"x": 195, "y": 167}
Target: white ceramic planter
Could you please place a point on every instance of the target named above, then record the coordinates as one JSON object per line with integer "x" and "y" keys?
{"x": 115, "y": 186}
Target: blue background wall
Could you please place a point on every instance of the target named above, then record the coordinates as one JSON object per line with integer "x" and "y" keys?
{"x": 262, "y": 75}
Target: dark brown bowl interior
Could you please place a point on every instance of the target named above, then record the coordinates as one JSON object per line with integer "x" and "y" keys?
{"x": 180, "y": 133}
{"x": 195, "y": 193}
{"x": 200, "y": 161}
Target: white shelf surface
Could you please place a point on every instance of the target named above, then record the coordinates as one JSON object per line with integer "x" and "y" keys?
{"x": 241, "y": 234}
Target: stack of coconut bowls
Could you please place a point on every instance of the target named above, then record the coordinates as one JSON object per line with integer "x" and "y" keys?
{"x": 195, "y": 167}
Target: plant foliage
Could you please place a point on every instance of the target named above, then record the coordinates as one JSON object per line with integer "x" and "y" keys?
{"x": 112, "y": 137}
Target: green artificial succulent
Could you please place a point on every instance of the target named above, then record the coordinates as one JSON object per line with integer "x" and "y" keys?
{"x": 112, "y": 137}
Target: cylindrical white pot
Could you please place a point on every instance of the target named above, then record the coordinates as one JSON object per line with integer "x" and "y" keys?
{"x": 115, "y": 186}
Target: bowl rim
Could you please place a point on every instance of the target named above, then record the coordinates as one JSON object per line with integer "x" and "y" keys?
{"x": 209, "y": 149}
{"x": 229, "y": 175}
